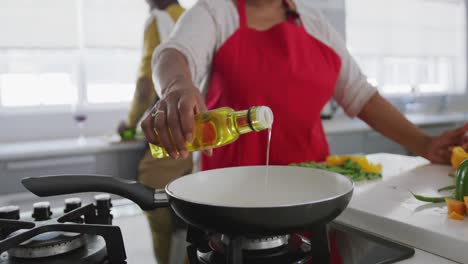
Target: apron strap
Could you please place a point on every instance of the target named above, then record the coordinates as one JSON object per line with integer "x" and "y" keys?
{"x": 242, "y": 13}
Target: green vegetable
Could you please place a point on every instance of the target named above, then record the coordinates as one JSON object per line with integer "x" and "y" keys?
{"x": 127, "y": 134}
{"x": 447, "y": 188}
{"x": 451, "y": 174}
{"x": 461, "y": 186}
{"x": 461, "y": 181}
{"x": 349, "y": 168}
{"x": 429, "y": 199}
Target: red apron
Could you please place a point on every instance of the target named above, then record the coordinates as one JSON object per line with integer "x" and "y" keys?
{"x": 286, "y": 69}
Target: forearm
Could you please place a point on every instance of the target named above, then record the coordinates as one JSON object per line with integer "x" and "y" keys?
{"x": 143, "y": 97}
{"x": 383, "y": 117}
{"x": 171, "y": 67}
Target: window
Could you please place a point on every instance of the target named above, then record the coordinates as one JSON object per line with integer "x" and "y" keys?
{"x": 59, "y": 53}
{"x": 409, "y": 46}
{"x": 35, "y": 78}
{"x": 110, "y": 75}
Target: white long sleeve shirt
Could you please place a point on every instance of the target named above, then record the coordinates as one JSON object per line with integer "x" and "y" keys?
{"x": 204, "y": 28}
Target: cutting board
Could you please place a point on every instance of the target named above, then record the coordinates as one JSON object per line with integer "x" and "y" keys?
{"x": 386, "y": 207}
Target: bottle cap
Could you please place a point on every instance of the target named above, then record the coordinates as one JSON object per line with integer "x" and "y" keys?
{"x": 264, "y": 116}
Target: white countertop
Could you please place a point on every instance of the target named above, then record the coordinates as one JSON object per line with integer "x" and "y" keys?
{"x": 343, "y": 124}
{"x": 41, "y": 149}
{"x": 47, "y": 148}
{"x": 386, "y": 207}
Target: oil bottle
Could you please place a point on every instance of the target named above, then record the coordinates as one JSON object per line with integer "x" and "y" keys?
{"x": 222, "y": 126}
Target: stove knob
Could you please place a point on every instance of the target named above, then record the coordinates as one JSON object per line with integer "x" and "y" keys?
{"x": 11, "y": 212}
{"x": 103, "y": 202}
{"x": 41, "y": 211}
{"x": 103, "y": 209}
{"x": 72, "y": 204}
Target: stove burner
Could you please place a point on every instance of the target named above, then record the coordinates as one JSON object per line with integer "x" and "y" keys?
{"x": 82, "y": 235}
{"x": 93, "y": 253}
{"x": 261, "y": 250}
{"x": 48, "y": 244}
{"x": 261, "y": 243}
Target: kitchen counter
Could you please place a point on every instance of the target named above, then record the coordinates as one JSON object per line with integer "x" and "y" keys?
{"x": 343, "y": 124}
{"x": 386, "y": 207}
{"x": 382, "y": 207}
{"x": 47, "y": 148}
{"x": 41, "y": 149}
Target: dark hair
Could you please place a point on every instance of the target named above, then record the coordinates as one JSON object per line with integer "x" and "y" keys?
{"x": 160, "y": 4}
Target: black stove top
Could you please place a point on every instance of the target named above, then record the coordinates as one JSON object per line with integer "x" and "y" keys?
{"x": 80, "y": 234}
{"x": 85, "y": 235}
{"x": 94, "y": 252}
{"x": 334, "y": 243}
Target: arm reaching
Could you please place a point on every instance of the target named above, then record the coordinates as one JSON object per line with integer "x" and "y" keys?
{"x": 383, "y": 117}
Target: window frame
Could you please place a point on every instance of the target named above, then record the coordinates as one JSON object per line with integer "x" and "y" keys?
{"x": 452, "y": 91}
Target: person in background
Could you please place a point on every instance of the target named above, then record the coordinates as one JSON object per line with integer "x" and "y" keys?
{"x": 152, "y": 172}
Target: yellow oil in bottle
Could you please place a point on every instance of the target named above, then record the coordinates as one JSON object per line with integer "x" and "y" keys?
{"x": 222, "y": 126}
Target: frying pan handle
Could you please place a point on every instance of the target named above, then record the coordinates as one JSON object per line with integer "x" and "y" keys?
{"x": 146, "y": 197}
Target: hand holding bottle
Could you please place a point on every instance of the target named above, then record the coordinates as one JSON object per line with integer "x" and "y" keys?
{"x": 175, "y": 111}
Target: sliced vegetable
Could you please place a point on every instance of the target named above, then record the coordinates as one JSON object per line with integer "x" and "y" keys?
{"x": 455, "y": 216}
{"x": 346, "y": 167}
{"x": 461, "y": 181}
{"x": 455, "y": 206}
{"x": 447, "y": 188}
{"x": 458, "y": 156}
{"x": 429, "y": 199}
{"x": 465, "y": 199}
{"x": 362, "y": 161}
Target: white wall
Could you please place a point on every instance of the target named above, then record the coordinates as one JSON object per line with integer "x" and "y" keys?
{"x": 56, "y": 23}
{"x": 406, "y": 27}
{"x": 33, "y": 23}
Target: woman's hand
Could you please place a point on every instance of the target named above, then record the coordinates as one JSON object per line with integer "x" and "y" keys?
{"x": 175, "y": 111}
{"x": 439, "y": 148}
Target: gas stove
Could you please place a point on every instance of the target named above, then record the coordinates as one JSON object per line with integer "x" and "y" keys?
{"x": 279, "y": 249}
{"x": 78, "y": 234}
{"x": 208, "y": 248}
{"x": 332, "y": 243}
{"x": 86, "y": 235}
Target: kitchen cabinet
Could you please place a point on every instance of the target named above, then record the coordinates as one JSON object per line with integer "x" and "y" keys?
{"x": 15, "y": 170}
{"x": 369, "y": 141}
{"x": 346, "y": 143}
{"x": 375, "y": 143}
{"x": 121, "y": 162}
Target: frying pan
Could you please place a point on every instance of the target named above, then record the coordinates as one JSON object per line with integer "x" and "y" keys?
{"x": 234, "y": 201}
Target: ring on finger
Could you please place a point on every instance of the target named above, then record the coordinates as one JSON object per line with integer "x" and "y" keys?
{"x": 155, "y": 113}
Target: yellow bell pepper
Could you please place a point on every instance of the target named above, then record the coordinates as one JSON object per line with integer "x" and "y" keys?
{"x": 336, "y": 160}
{"x": 458, "y": 156}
